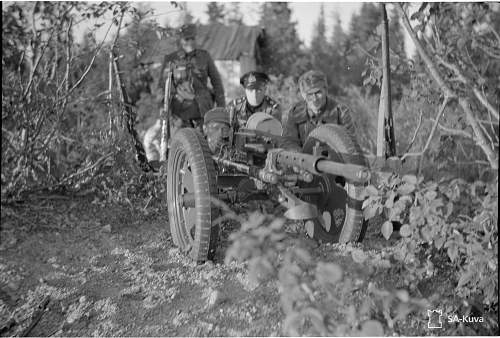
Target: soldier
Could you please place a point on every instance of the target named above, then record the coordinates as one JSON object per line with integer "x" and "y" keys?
{"x": 316, "y": 108}
{"x": 255, "y": 99}
{"x": 216, "y": 127}
{"x": 191, "y": 69}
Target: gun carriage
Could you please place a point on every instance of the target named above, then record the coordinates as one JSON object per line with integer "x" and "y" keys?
{"x": 321, "y": 183}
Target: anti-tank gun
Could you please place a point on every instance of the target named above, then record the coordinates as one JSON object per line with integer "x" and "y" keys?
{"x": 321, "y": 183}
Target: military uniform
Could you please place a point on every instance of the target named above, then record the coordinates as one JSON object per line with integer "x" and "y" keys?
{"x": 191, "y": 71}
{"x": 301, "y": 119}
{"x": 242, "y": 110}
{"x": 299, "y": 122}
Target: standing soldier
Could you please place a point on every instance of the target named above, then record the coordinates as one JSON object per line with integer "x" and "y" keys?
{"x": 254, "y": 101}
{"x": 317, "y": 108}
{"x": 192, "y": 67}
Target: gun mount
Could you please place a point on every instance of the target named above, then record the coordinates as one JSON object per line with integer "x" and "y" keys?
{"x": 320, "y": 184}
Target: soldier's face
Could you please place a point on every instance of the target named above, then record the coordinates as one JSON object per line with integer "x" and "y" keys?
{"x": 216, "y": 133}
{"x": 187, "y": 44}
{"x": 315, "y": 100}
{"x": 255, "y": 96}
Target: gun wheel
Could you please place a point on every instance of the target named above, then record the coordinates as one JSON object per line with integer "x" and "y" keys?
{"x": 191, "y": 176}
{"x": 340, "y": 205}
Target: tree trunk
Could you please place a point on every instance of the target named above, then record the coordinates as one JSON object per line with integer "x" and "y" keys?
{"x": 386, "y": 144}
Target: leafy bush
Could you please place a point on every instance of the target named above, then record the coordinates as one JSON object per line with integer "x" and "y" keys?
{"x": 315, "y": 295}
{"x": 451, "y": 216}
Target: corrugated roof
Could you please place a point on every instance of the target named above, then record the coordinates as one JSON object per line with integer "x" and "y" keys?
{"x": 221, "y": 41}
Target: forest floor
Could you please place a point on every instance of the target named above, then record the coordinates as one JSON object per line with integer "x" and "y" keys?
{"x": 77, "y": 267}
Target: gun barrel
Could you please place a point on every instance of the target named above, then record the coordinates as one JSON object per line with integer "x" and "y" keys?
{"x": 251, "y": 171}
{"x": 319, "y": 165}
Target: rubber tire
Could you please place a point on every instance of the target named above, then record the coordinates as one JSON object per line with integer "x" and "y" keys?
{"x": 190, "y": 149}
{"x": 341, "y": 147}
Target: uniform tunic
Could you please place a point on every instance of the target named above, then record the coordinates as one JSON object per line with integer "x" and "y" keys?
{"x": 243, "y": 110}
{"x": 199, "y": 66}
{"x": 299, "y": 122}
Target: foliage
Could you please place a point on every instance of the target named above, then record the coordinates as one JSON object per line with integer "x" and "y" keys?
{"x": 233, "y": 15}
{"x": 59, "y": 126}
{"x": 282, "y": 53}
{"x": 450, "y": 216}
{"x": 315, "y": 296}
{"x": 215, "y": 12}
{"x": 464, "y": 68}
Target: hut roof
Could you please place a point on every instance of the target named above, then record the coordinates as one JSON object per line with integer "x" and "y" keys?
{"x": 230, "y": 42}
{"x": 221, "y": 41}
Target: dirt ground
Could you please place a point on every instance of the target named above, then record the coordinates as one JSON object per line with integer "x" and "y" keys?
{"x": 73, "y": 267}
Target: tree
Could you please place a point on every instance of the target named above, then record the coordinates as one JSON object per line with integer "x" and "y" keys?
{"x": 338, "y": 55}
{"x": 396, "y": 35}
{"x": 186, "y": 16}
{"x": 282, "y": 52}
{"x": 400, "y": 73}
{"x": 362, "y": 43}
{"x": 458, "y": 44}
{"x": 338, "y": 35}
{"x": 215, "y": 12}
{"x": 323, "y": 56}
{"x": 233, "y": 14}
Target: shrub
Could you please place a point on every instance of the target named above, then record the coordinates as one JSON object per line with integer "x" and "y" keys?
{"x": 450, "y": 216}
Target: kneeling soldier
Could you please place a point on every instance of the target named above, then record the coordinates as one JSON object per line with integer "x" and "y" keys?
{"x": 216, "y": 128}
{"x": 316, "y": 108}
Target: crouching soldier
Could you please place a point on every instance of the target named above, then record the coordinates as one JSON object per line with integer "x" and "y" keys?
{"x": 216, "y": 128}
{"x": 254, "y": 101}
{"x": 316, "y": 108}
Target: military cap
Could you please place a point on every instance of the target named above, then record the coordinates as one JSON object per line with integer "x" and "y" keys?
{"x": 252, "y": 80}
{"x": 187, "y": 31}
{"x": 218, "y": 114}
{"x": 311, "y": 81}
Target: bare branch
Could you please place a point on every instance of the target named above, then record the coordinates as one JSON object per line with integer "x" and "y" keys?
{"x": 479, "y": 137}
{"x": 433, "y": 130}
{"x": 489, "y": 121}
{"x": 68, "y": 62}
{"x": 494, "y": 32}
{"x": 427, "y": 60}
{"x": 484, "y": 101}
{"x": 118, "y": 30}
{"x": 487, "y": 134}
{"x": 79, "y": 81}
{"x": 364, "y": 51}
{"x": 475, "y": 90}
{"x": 454, "y": 68}
{"x": 451, "y": 131}
{"x": 416, "y": 132}
{"x": 474, "y": 162}
{"x": 472, "y": 63}
{"x": 99, "y": 161}
{"x": 33, "y": 71}
{"x": 488, "y": 51}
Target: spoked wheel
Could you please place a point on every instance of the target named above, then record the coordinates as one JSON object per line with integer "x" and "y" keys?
{"x": 340, "y": 203}
{"x": 191, "y": 183}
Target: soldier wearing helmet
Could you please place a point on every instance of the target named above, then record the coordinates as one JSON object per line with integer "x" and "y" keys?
{"x": 316, "y": 108}
{"x": 192, "y": 67}
{"x": 216, "y": 127}
{"x": 254, "y": 101}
